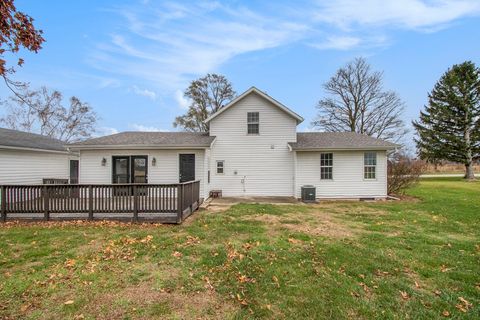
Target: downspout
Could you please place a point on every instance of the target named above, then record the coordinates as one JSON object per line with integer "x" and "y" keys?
{"x": 294, "y": 186}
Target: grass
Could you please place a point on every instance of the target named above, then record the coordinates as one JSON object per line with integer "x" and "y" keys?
{"x": 418, "y": 258}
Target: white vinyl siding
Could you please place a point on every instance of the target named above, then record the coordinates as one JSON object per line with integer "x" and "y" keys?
{"x": 30, "y": 167}
{"x": 166, "y": 169}
{"x": 261, "y": 164}
{"x": 348, "y": 180}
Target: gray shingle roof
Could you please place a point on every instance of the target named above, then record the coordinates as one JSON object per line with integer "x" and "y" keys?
{"x": 338, "y": 140}
{"x": 150, "y": 139}
{"x": 20, "y": 139}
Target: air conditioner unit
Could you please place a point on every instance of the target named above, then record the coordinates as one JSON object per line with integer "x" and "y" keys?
{"x": 308, "y": 194}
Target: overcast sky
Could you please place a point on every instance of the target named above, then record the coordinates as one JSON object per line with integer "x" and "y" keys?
{"x": 131, "y": 60}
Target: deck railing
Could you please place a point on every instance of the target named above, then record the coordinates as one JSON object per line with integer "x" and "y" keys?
{"x": 169, "y": 203}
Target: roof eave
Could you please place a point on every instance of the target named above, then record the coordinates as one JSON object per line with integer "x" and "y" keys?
{"x": 344, "y": 148}
{"x": 136, "y": 147}
{"x": 33, "y": 149}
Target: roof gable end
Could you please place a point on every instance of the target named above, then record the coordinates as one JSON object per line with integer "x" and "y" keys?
{"x": 262, "y": 94}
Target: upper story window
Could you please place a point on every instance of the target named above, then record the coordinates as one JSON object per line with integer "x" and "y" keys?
{"x": 369, "y": 165}
{"x": 253, "y": 123}
{"x": 326, "y": 166}
{"x": 220, "y": 167}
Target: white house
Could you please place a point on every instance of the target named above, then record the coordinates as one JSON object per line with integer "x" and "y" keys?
{"x": 252, "y": 149}
{"x": 28, "y": 158}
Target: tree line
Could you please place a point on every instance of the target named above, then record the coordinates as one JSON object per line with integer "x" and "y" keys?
{"x": 355, "y": 100}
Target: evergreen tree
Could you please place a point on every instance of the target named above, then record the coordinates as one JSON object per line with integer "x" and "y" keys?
{"x": 449, "y": 127}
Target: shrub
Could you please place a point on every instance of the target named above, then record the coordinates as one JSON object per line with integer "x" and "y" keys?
{"x": 403, "y": 172}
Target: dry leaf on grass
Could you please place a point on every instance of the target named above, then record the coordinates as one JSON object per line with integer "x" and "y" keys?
{"x": 70, "y": 263}
{"x": 275, "y": 280}
{"x": 243, "y": 301}
{"x": 294, "y": 241}
{"x": 445, "y": 313}
{"x": 444, "y": 268}
{"x": 177, "y": 254}
{"x": 68, "y": 302}
{"x": 365, "y": 287}
{"x": 464, "y": 305}
{"x": 404, "y": 295}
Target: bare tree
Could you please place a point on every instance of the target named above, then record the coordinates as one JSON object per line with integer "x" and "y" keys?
{"x": 207, "y": 95}
{"x": 42, "y": 111}
{"x": 358, "y": 103}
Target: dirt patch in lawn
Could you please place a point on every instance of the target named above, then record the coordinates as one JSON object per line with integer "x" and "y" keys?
{"x": 145, "y": 302}
{"x": 315, "y": 223}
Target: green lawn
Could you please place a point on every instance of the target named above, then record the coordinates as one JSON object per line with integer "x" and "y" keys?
{"x": 418, "y": 259}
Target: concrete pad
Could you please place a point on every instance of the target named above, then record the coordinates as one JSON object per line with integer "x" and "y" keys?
{"x": 224, "y": 203}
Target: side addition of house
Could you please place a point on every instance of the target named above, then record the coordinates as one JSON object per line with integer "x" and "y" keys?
{"x": 28, "y": 158}
{"x": 253, "y": 149}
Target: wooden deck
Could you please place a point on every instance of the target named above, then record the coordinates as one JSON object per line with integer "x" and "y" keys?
{"x": 136, "y": 202}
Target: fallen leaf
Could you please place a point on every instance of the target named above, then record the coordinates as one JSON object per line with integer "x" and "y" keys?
{"x": 24, "y": 307}
{"x": 464, "y": 306}
{"x": 445, "y": 313}
{"x": 177, "y": 254}
{"x": 147, "y": 239}
{"x": 417, "y": 285}
{"x": 444, "y": 268}
{"x": 275, "y": 279}
{"x": 70, "y": 263}
{"x": 404, "y": 295}
{"x": 68, "y": 302}
{"x": 365, "y": 287}
{"x": 294, "y": 241}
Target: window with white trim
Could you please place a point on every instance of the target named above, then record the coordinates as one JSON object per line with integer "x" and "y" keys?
{"x": 326, "y": 166}
{"x": 220, "y": 167}
{"x": 253, "y": 123}
{"x": 369, "y": 165}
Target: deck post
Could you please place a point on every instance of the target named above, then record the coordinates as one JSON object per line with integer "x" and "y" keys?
{"x": 46, "y": 204}
{"x": 191, "y": 196}
{"x": 90, "y": 202}
{"x": 3, "y": 196}
{"x": 179, "y": 203}
{"x": 135, "y": 204}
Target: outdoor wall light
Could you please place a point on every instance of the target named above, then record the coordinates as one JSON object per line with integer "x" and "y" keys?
{"x": 104, "y": 162}
{"x": 154, "y": 161}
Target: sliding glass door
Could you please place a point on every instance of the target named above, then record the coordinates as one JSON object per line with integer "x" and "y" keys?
{"x": 129, "y": 169}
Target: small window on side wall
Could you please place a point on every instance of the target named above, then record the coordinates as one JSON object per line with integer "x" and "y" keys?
{"x": 326, "y": 166}
{"x": 253, "y": 123}
{"x": 369, "y": 165}
{"x": 220, "y": 167}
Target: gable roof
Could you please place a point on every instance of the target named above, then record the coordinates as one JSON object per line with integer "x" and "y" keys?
{"x": 338, "y": 140}
{"x": 138, "y": 140}
{"x": 14, "y": 139}
{"x": 263, "y": 95}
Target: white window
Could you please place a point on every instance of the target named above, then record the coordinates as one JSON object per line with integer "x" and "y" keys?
{"x": 220, "y": 167}
{"x": 369, "y": 165}
{"x": 326, "y": 166}
{"x": 253, "y": 123}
